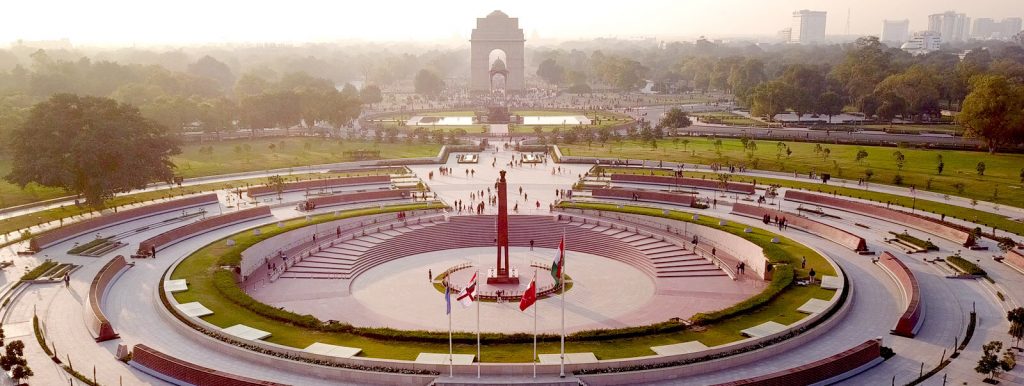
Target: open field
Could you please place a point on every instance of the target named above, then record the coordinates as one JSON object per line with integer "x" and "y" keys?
{"x": 1001, "y": 182}
{"x": 200, "y": 267}
{"x": 238, "y": 156}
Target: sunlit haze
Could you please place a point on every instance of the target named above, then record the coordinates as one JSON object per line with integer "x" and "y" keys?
{"x": 121, "y": 22}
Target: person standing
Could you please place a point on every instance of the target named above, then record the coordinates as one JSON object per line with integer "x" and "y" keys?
{"x": 430, "y": 275}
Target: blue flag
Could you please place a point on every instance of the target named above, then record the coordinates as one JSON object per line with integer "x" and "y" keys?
{"x": 448, "y": 300}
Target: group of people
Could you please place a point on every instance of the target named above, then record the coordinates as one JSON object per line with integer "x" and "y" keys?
{"x": 782, "y": 223}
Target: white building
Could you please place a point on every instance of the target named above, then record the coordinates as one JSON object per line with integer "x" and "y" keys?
{"x": 951, "y": 26}
{"x": 922, "y": 43}
{"x": 895, "y": 32}
{"x": 808, "y": 27}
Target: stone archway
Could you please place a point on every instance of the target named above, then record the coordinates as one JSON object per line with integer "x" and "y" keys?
{"x": 498, "y": 32}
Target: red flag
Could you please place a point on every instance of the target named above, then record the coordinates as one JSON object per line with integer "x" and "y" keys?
{"x": 529, "y": 297}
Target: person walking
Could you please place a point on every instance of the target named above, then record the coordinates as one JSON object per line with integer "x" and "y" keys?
{"x": 67, "y": 280}
{"x": 430, "y": 275}
{"x": 803, "y": 262}
{"x": 531, "y": 244}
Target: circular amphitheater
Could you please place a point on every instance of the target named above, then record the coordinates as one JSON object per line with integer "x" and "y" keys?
{"x": 342, "y": 281}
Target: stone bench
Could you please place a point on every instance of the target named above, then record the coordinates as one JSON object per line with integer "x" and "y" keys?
{"x": 97, "y": 322}
{"x": 181, "y": 233}
{"x": 177, "y": 371}
{"x": 685, "y": 182}
{"x": 76, "y": 229}
{"x": 824, "y": 371}
{"x": 912, "y": 318}
{"x": 318, "y": 184}
{"x": 836, "y": 235}
{"x": 949, "y": 233}
{"x": 359, "y": 197}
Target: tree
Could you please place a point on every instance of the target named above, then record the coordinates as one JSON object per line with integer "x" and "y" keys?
{"x": 551, "y": 72}
{"x": 208, "y": 67}
{"x": 899, "y": 158}
{"x": 91, "y": 146}
{"x": 370, "y": 95}
{"x": 14, "y": 361}
{"x": 941, "y": 165}
{"x": 867, "y": 62}
{"x": 770, "y": 99}
{"x": 675, "y": 118}
{"x": 428, "y": 83}
{"x": 868, "y": 173}
{"x": 994, "y": 111}
{"x": 989, "y": 364}
{"x": 1016, "y": 318}
{"x": 861, "y": 155}
{"x": 830, "y": 104}
{"x": 980, "y": 167}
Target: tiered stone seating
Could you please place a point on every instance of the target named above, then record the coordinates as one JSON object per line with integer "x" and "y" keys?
{"x": 99, "y": 326}
{"x": 177, "y": 371}
{"x": 685, "y": 200}
{"x": 949, "y": 233}
{"x": 913, "y": 317}
{"x": 696, "y": 183}
{"x": 319, "y": 184}
{"x": 826, "y": 231}
{"x": 175, "y": 235}
{"x": 348, "y": 259}
{"x": 360, "y": 197}
{"x": 823, "y": 371}
{"x": 76, "y": 229}
{"x": 1015, "y": 259}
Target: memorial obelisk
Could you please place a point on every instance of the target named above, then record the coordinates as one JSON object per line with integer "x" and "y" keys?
{"x": 501, "y": 273}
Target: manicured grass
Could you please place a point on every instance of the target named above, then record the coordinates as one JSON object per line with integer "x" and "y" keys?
{"x": 1001, "y": 182}
{"x": 238, "y": 156}
{"x": 910, "y": 128}
{"x": 199, "y": 270}
{"x": 986, "y": 219}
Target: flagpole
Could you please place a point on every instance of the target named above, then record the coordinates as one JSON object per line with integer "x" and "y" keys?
{"x": 451, "y": 367}
{"x": 561, "y": 281}
{"x": 478, "y": 301}
{"x": 535, "y": 305}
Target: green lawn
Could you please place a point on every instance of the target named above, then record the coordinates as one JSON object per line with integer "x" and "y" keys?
{"x": 986, "y": 219}
{"x": 199, "y": 267}
{"x": 1001, "y": 182}
{"x": 238, "y": 156}
{"x": 729, "y": 118}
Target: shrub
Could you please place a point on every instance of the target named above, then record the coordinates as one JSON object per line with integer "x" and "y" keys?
{"x": 780, "y": 281}
{"x": 38, "y": 271}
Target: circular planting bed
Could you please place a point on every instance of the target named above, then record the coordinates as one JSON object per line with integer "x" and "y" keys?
{"x": 212, "y": 282}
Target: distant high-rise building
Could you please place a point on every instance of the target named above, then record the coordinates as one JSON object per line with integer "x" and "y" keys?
{"x": 808, "y": 27}
{"x": 922, "y": 43}
{"x": 895, "y": 31}
{"x": 988, "y": 28}
{"x": 785, "y": 35}
{"x": 951, "y": 26}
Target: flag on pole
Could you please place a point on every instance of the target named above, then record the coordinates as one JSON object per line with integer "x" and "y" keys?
{"x": 559, "y": 263}
{"x": 448, "y": 300}
{"x": 468, "y": 294}
{"x": 529, "y": 296}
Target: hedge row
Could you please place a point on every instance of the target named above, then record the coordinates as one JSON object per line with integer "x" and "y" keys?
{"x": 38, "y": 271}
{"x": 966, "y": 266}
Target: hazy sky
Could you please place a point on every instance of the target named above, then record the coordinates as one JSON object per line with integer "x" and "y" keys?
{"x": 125, "y": 22}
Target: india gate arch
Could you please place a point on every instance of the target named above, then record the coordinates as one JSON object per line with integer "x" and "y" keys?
{"x": 497, "y": 31}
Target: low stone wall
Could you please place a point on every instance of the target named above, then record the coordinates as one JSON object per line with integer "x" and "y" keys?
{"x": 952, "y": 234}
{"x": 686, "y": 182}
{"x": 178, "y": 234}
{"x": 177, "y": 371}
{"x": 97, "y": 322}
{"x": 254, "y": 256}
{"x": 685, "y": 200}
{"x": 63, "y": 233}
{"x": 823, "y": 371}
{"x": 738, "y": 247}
{"x": 1015, "y": 259}
{"x": 319, "y": 184}
{"x": 826, "y": 231}
{"x": 913, "y": 317}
